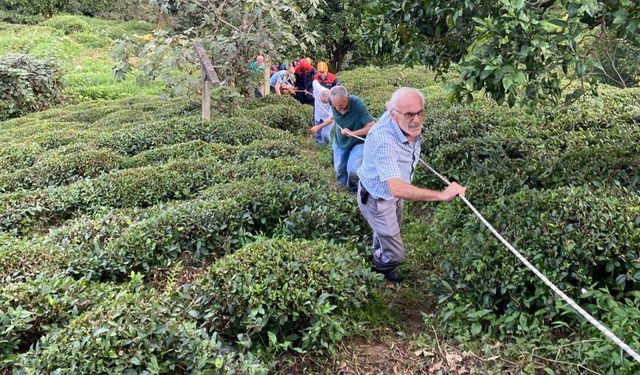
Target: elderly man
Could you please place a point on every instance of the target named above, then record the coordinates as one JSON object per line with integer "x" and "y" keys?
{"x": 281, "y": 82}
{"x": 391, "y": 153}
{"x": 322, "y": 117}
{"x": 352, "y": 118}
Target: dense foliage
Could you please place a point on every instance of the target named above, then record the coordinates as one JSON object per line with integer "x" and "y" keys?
{"x": 510, "y": 49}
{"x": 28, "y": 85}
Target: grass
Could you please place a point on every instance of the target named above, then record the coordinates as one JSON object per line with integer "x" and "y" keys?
{"x": 84, "y": 55}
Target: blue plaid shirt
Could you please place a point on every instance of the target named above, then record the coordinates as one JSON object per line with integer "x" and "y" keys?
{"x": 387, "y": 154}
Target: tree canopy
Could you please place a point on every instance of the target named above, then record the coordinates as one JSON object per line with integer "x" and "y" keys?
{"x": 512, "y": 49}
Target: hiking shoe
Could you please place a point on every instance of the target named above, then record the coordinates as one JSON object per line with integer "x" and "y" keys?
{"x": 392, "y": 276}
{"x": 389, "y": 275}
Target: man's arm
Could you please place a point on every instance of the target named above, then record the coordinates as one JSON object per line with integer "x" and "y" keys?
{"x": 325, "y": 123}
{"x": 407, "y": 191}
{"x": 362, "y": 131}
{"x": 277, "y": 87}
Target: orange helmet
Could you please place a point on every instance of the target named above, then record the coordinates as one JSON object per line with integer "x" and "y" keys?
{"x": 323, "y": 67}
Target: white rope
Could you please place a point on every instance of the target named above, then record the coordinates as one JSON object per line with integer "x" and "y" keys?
{"x": 605, "y": 331}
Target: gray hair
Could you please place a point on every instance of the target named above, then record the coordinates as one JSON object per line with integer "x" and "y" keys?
{"x": 324, "y": 93}
{"x": 402, "y": 91}
{"x": 339, "y": 92}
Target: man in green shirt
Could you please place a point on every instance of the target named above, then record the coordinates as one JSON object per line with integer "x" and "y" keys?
{"x": 352, "y": 118}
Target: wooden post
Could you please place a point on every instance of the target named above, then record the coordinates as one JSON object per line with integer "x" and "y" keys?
{"x": 209, "y": 77}
{"x": 206, "y": 96}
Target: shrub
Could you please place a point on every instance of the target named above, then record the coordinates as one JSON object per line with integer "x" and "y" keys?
{"x": 267, "y": 149}
{"x": 67, "y": 24}
{"x": 38, "y": 305}
{"x": 28, "y": 85}
{"x": 282, "y": 295}
{"x": 188, "y": 150}
{"x": 233, "y": 130}
{"x": 13, "y": 17}
{"x": 17, "y": 156}
{"x": 283, "y": 117}
{"x": 577, "y": 237}
{"x": 60, "y": 169}
{"x": 35, "y": 7}
{"x": 132, "y": 331}
{"x": 23, "y": 259}
{"x": 139, "y": 187}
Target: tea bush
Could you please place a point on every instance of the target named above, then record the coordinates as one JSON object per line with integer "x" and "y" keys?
{"x": 133, "y": 330}
{"x": 136, "y": 187}
{"x": 39, "y": 305}
{"x": 67, "y": 24}
{"x": 282, "y": 295}
{"x": 578, "y": 237}
{"x": 28, "y": 85}
{"x": 282, "y": 117}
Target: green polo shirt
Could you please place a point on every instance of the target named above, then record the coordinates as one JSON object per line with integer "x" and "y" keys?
{"x": 355, "y": 118}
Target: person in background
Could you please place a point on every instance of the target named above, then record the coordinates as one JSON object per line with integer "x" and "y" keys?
{"x": 256, "y": 69}
{"x": 352, "y": 118}
{"x": 281, "y": 82}
{"x": 325, "y": 78}
{"x": 322, "y": 115}
{"x": 304, "y": 73}
{"x": 391, "y": 152}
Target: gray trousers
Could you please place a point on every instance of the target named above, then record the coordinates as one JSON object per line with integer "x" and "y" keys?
{"x": 384, "y": 218}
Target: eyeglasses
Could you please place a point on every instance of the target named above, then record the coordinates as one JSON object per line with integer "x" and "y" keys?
{"x": 409, "y": 116}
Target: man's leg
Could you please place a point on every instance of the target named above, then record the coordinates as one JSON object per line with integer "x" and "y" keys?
{"x": 326, "y": 134}
{"x": 318, "y": 137}
{"x": 382, "y": 216}
{"x": 340, "y": 158}
{"x": 353, "y": 164}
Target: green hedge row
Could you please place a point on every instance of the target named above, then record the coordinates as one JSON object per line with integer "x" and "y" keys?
{"x": 32, "y": 308}
{"x": 232, "y": 130}
{"x": 282, "y": 295}
{"x": 578, "y": 237}
{"x": 133, "y": 330}
{"x": 272, "y": 295}
{"x": 296, "y": 120}
{"x": 136, "y": 187}
{"x": 73, "y": 163}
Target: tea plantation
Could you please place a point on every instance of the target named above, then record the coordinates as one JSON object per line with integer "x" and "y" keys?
{"x": 135, "y": 238}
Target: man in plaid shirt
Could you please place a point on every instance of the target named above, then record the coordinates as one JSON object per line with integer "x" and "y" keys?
{"x": 391, "y": 152}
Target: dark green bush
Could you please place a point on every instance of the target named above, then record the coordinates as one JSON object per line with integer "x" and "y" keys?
{"x": 132, "y": 331}
{"x": 267, "y": 148}
{"x": 35, "y": 7}
{"x": 138, "y": 187}
{"x": 578, "y": 237}
{"x": 190, "y": 150}
{"x": 62, "y": 166}
{"x": 17, "y": 156}
{"x": 36, "y": 306}
{"x": 28, "y": 85}
{"x": 23, "y": 259}
{"x": 232, "y": 130}
{"x": 270, "y": 100}
{"x": 14, "y": 17}
{"x": 280, "y": 116}
{"x": 282, "y": 295}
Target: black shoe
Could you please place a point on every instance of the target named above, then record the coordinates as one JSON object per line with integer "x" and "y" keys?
{"x": 391, "y": 275}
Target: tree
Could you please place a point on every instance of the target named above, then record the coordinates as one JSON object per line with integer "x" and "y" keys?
{"x": 233, "y": 33}
{"x": 335, "y": 26}
{"x": 511, "y": 49}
